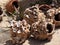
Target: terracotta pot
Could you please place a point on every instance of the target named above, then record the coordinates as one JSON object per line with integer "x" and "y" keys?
{"x": 10, "y": 5}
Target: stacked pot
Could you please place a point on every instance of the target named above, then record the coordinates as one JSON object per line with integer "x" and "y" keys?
{"x": 42, "y": 25}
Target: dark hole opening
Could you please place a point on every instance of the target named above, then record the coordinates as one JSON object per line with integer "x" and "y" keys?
{"x": 57, "y": 17}
{"x": 15, "y": 3}
{"x": 50, "y": 28}
{"x": 1, "y": 11}
{"x": 44, "y": 9}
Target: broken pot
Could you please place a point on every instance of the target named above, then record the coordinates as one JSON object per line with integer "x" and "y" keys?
{"x": 11, "y": 4}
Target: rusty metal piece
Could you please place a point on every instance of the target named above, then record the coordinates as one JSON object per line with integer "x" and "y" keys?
{"x": 10, "y": 5}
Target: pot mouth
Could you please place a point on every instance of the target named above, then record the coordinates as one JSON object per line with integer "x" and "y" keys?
{"x": 15, "y": 3}
{"x": 49, "y": 28}
{"x": 57, "y": 17}
{"x": 1, "y": 11}
{"x": 44, "y": 8}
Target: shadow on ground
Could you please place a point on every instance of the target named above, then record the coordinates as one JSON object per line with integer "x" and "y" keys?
{"x": 32, "y": 41}
{"x": 9, "y": 42}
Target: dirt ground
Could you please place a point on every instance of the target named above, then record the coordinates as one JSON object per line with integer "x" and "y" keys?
{"x": 5, "y": 36}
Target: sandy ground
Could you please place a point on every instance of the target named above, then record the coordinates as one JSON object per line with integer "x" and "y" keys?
{"x": 5, "y": 37}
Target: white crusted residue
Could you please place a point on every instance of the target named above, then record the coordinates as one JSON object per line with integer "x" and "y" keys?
{"x": 27, "y": 16}
{"x": 18, "y": 31}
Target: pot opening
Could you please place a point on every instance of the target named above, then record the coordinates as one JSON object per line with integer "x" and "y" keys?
{"x": 57, "y": 17}
{"x": 44, "y": 9}
{"x": 15, "y": 3}
{"x": 50, "y": 28}
{"x": 1, "y": 11}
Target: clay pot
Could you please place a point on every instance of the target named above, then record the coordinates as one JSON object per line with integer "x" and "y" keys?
{"x": 43, "y": 34}
{"x": 10, "y": 5}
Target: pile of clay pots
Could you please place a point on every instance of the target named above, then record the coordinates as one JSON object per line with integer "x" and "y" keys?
{"x": 39, "y": 22}
{"x": 43, "y": 20}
